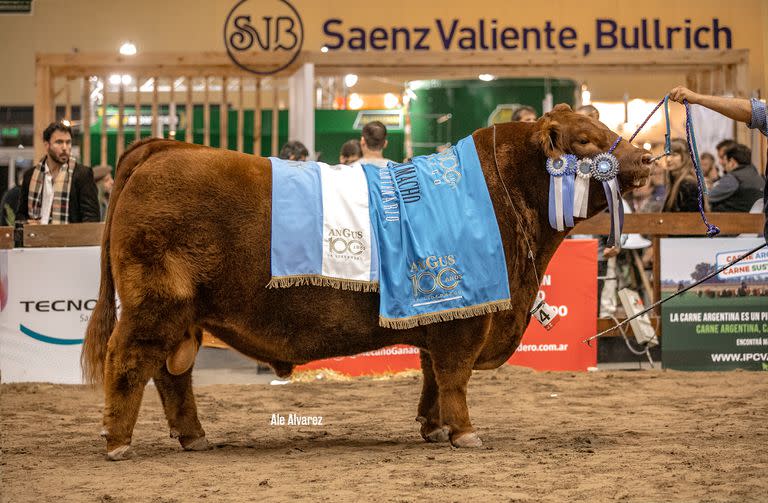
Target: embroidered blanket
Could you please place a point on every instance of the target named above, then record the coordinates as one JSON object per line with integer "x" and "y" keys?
{"x": 440, "y": 249}
{"x": 424, "y": 234}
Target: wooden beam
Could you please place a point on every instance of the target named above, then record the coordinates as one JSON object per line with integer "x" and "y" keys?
{"x": 206, "y": 114}
{"x": 103, "y": 136}
{"x": 172, "y": 110}
{"x": 137, "y": 110}
{"x": 673, "y": 224}
{"x": 46, "y": 236}
{"x": 157, "y": 128}
{"x": 120, "y": 119}
{"x": 240, "y": 114}
{"x": 43, "y": 104}
{"x": 85, "y": 121}
{"x": 275, "y": 117}
{"x": 6, "y": 238}
{"x": 224, "y": 116}
{"x": 67, "y": 100}
{"x": 257, "y": 119}
{"x": 189, "y": 109}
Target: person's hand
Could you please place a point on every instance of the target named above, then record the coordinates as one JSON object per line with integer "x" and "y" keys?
{"x": 681, "y": 93}
{"x": 610, "y": 252}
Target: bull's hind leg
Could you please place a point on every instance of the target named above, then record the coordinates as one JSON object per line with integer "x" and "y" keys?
{"x": 432, "y": 429}
{"x": 137, "y": 348}
{"x": 180, "y": 409}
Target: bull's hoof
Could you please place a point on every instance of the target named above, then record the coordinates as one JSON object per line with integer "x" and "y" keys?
{"x": 198, "y": 444}
{"x": 438, "y": 435}
{"x": 120, "y": 453}
{"x": 467, "y": 440}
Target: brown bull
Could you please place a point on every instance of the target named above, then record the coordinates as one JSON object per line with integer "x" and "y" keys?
{"x": 187, "y": 246}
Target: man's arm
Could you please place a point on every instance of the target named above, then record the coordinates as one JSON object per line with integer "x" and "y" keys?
{"x": 737, "y": 109}
{"x": 88, "y": 196}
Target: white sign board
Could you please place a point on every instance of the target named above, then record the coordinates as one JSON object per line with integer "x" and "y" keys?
{"x": 48, "y": 296}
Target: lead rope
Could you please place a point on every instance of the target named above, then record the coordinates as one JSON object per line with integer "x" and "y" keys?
{"x": 509, "y": 198}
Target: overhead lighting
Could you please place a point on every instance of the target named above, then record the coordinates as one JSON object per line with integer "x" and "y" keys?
{"x": 486, "y": 77}
{"x": 355, "y": 102}
{"x": 66, "y": 122}
{"x": 390, "y": 100}
{"x": 128, "y": 49}
{"x": 647, "y": 146}
{"x": 350, "y": 80}
{"x": 586, "y": 96}
{"x": 323, "y": 49}
{"x": 115, "y": 79}
{"x": 126, "y": 79}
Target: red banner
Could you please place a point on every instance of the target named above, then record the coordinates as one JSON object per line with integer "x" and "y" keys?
{"x": 569, "y": 284}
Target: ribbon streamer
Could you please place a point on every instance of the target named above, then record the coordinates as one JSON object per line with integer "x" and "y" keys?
{"x": 581, "y": 189}
{"x": 561, "y": 191}
{"x": 616, "y": 210}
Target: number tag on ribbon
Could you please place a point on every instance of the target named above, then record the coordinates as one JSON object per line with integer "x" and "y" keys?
{"x": 545, "y": 314}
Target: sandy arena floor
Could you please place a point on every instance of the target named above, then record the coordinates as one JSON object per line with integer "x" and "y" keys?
{"x": 549, "y": 436}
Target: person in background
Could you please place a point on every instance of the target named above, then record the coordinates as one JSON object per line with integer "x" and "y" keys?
{"x": 350, "y": 152}
{"x": 721, "y": 148}
{"x": 741, "y": 186}
{"x": 683, "y": 193}
{"x": 373, "y": 142}
{"x": 589, "y": 111}
{"x": 58, "y": 190}
{"x": 751, "y": 112}
{"x": 524, "y": 114}
{"x": 709, "y": 169}
{"x": 294, "y": 151}
{"x": 102, "y": 175}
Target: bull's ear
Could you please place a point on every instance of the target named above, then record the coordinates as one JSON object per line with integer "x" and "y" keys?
{"x": 562, "y": 107}
{"x": 550, "y": 138}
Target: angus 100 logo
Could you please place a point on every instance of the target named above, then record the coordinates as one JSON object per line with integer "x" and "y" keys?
{"x": 263, "y": 27}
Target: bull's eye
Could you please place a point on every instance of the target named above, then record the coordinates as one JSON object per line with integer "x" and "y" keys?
{"x": 584, "y": 141}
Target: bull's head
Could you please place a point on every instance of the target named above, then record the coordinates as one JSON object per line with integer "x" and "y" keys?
{"x": 562, "y": 131}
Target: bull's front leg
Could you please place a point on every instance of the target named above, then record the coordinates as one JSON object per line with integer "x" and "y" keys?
{"x": 452, "y": 371}
{"x": 432, "y": 430}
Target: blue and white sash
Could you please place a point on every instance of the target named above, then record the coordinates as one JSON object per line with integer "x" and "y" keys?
{"x": 321, "y": 227}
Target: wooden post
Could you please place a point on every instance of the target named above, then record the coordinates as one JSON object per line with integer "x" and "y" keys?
{"x": 103, "y": 137}
{"x": 189, "y": 109}
{"x": 42, "y": 109}
{"x": 67, "y": 100}
{"x": 172, "y": 110}
{"x": 157, "y": 128}
{"x": 240, "y": 111}
{"x": 275, "y": 117}
{"x": 257, "y": 119}
{"x": 206, "y": 115}
{"x": 656, "y": 240}
{"x": 224, "y": 115}
{"x": 137, "y": 111}
{"x": 120, "y": 119}
{"x": 85, "y": 122}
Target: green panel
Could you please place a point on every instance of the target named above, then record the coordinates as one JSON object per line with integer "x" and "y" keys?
{"x": 471, "y": 102}
{"x": 332, "y": 129}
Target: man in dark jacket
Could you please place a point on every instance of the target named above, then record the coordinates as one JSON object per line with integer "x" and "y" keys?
{"x": 58, "y": 190}
{"x": 741, "y": 185}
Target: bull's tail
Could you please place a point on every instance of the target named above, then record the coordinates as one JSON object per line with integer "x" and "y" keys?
{"x": 104, "y": 316}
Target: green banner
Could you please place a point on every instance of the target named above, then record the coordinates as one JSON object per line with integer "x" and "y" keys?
{"x": 721, "y": 324}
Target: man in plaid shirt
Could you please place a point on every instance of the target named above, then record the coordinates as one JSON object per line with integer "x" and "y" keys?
{"x": 58, "y": 190}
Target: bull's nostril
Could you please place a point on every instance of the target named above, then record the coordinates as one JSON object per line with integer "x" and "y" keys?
{"x": 646, "y": 159}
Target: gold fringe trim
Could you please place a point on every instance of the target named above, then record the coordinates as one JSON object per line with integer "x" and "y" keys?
{"x": 447, "y": 315}
{"x": 354, "y": 285}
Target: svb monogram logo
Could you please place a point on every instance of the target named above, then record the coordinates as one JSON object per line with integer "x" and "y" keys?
{"x": 263, "y": 26}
